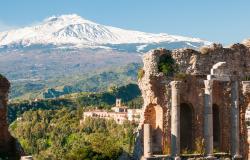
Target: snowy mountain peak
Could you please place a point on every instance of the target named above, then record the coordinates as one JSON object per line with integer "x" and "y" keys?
{"x": 73, "y": 30}
{"x": 69, "y": 19}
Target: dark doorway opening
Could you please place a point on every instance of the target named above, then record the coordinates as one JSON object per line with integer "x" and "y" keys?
{"x": 216, "y": 126}
{"x": 186, "y": 115}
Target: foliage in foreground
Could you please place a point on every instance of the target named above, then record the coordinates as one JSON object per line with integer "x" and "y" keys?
{"x": 56, "y": 134}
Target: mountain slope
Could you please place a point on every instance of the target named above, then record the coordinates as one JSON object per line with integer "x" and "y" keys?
{"x": 77, "y": 53}
{"x": 74, "y": 31}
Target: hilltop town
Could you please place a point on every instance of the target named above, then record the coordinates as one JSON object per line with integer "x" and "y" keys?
{"x": 119, "y": 114}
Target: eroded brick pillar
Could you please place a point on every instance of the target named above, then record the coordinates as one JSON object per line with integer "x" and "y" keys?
{"x": 208, "y": 119}
{"x": 147, "y": 143}
{"x": 235, "y": 121}
{"x": 175, "y": 119}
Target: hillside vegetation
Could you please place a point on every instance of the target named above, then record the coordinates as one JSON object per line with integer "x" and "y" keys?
{"x": 130, "y": 95}
{"x": 56, "y": 134}
{"x": 98, "y": 80}
{"x": 50, "y": 129}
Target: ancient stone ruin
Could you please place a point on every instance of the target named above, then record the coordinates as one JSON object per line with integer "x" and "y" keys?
{"x": 9, "y": 147}
{"x": 195, "y": 106}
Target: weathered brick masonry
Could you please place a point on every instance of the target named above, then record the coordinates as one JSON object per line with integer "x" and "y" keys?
{"x": 156, "y": 92}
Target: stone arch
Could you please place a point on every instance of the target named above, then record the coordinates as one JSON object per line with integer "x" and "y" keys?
{"x": 216, "y": 127}
{"x": 186, "y": 127}
{"x": 153, "y": 115}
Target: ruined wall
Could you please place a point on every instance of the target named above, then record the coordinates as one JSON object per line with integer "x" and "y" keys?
{"x": 192, "y": 94}
{"x": 200, "y": 62}
{"x": 154, "y": 95}
{"x": 244, "y": 103}
{"x": 221, "y": 98}
{"x": 155, "y": 89}
{"x": 9, "y": 147}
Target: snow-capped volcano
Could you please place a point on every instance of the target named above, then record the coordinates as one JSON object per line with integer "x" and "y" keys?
{"x": 71, "y": 51}
{"x": 73, "y": 30}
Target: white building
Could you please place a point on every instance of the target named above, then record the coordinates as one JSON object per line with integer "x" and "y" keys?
{"x": 120, "y": 114}
{"x": 119, "y": 117}
{"x": 118, "y": 107}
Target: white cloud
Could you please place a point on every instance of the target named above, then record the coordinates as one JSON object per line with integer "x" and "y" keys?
{"x": 5, "y": 27}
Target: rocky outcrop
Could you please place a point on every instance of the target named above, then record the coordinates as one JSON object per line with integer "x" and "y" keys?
{"x": 9, "y": 146}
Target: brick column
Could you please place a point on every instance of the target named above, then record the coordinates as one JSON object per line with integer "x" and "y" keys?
{"x": 147, "y": 141}
{"x": 175, "y": 119}
{"x": 235, "y": 120}
{"x": 208, "y": 119}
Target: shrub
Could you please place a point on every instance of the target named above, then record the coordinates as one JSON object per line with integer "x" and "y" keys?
{"x": 199, "y": 145}
{"x": 247, "y": 78}
{"x": 180, "y": 76}
{"x": 140, "y": 74}
{"x": 1, "y": 76}
{"x": 167, "y": 148}
{"x": 186, "y": 151}
{"x": 167, "y": 65}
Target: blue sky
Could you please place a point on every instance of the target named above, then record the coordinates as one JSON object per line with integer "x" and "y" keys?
{"x": 224, "y": 21}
